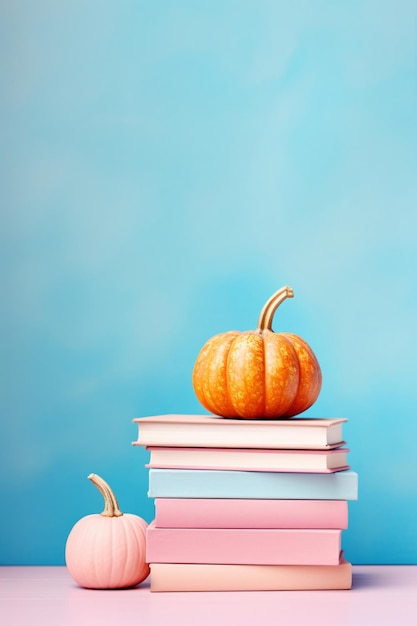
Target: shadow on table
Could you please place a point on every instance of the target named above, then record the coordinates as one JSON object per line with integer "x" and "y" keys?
{"x": 384, "y": 577}
{"x": 365, "y": 581}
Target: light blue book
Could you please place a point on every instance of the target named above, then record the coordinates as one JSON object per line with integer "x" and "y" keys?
{"x": 180, "y": 483}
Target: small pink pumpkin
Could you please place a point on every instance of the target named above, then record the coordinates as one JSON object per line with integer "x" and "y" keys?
{"x": 107, "y": 550}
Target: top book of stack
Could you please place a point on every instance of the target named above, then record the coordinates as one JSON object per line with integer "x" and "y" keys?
{"x": 211, "y": 431}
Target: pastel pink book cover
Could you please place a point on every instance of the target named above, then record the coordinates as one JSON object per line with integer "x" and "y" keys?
{"x": 243, "y": 513}
{"x": 243, "y": 546}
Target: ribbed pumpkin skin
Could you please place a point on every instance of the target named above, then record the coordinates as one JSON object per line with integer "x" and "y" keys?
{"x": 256, "y": 374}
{"x": 107, "y": 552}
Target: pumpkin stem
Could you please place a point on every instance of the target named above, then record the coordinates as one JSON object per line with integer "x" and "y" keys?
{"x": 111, "y": 506}
{"x": 267, "y": 313}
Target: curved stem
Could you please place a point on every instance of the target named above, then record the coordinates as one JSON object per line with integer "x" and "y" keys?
{"x": 111, "y": 506}
{"x": 267, "y": 313}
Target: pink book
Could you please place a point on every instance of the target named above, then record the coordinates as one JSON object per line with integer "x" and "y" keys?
{"x": 249, "y": 459}
{"x": 206, "y": 577}
{"x": 212, "y": 431}
{"x": 243, "y": 546}
{"x": 242, "y": 513}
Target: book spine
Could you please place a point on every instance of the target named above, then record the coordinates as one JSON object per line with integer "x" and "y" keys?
{"x": 238, "y": 459}
{"x": 166, "y": 577}
{"x": 313, "y": 434}
{"x": 246, "y": 468}
{"x": 172, "y": 483}
{"x": 243, "y": 513}
{"x": 243, "y": 546}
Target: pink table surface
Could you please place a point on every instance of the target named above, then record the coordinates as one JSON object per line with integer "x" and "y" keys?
{"x": 32, "y": 596}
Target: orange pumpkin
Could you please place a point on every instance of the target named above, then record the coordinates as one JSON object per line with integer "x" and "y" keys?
{"x": 259, "y": 373}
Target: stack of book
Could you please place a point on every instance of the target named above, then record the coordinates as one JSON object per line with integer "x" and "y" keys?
{"x": 247, "y": 504}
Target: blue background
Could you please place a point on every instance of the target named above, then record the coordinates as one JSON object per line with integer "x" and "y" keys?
{"x": 166, "y": 166}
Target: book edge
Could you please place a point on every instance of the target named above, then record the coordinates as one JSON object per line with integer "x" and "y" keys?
{"x": 178, "y": 418}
